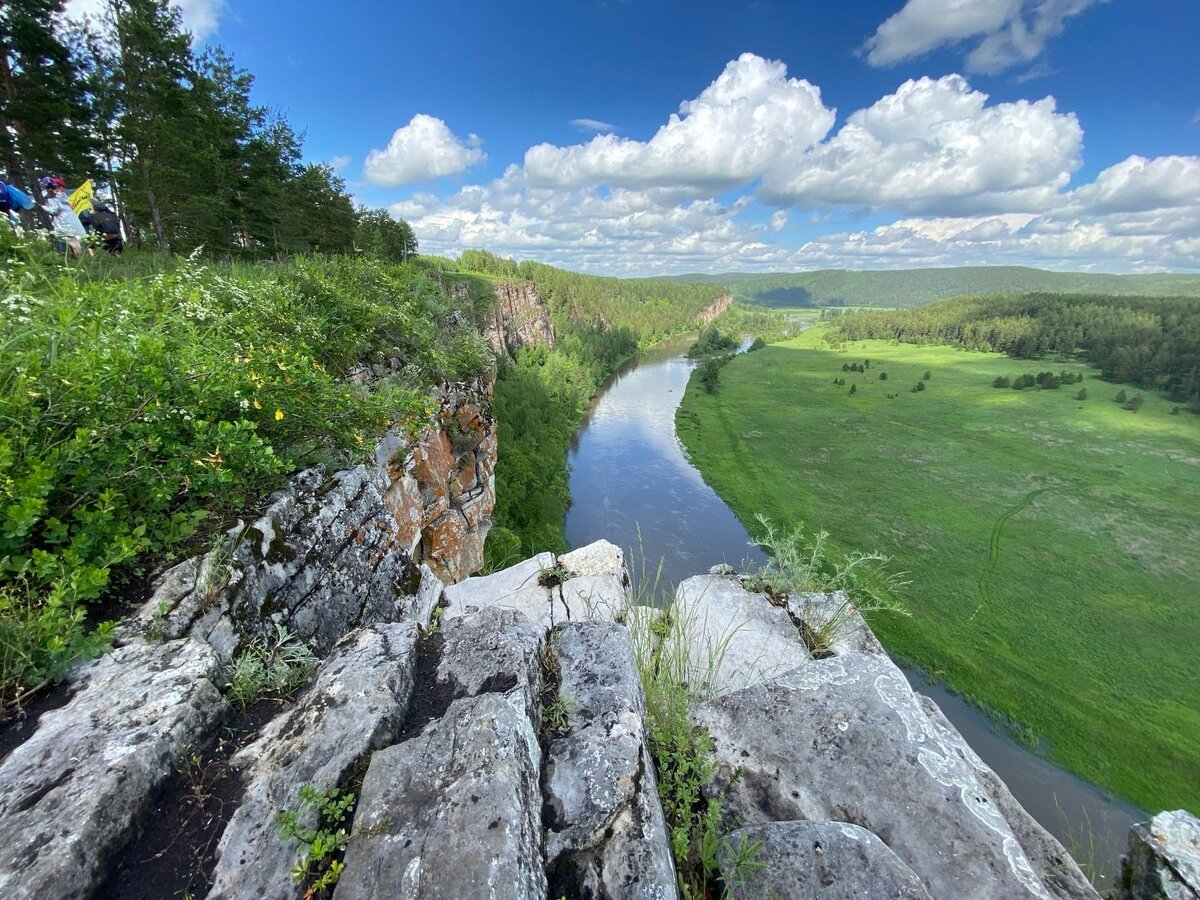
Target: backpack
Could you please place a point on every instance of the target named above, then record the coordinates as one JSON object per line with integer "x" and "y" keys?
{"x": 5, "y": 199}
{"x": 105, "y": 221}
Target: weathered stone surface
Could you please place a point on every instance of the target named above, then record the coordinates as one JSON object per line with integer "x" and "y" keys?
{"x": 516, "y": 587}
{"x": 597, "y": 558}
{"x": 548, "y": 591}
{"x": 1164, "y": 858}
{"x": 356, "y": 704}
{"x": 70, "y": 794}
{"x": 452, "y": 812}
{"x": 817, "y": 861}
{"x": 1053, "y": 864}
{"x": 336, "y": 552}
{"x": 494, "y": 650}
{"x": 737, "y": 638}
{"x": 715, "y": 309}
{"x": 845, "y": 739}
{"x": 518, "y": 319}
{"x": 606, "y": 835}
{"x": 853, "y": 636}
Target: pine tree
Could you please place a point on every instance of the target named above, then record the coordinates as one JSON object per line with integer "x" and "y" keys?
{"x": 44, "y": 114}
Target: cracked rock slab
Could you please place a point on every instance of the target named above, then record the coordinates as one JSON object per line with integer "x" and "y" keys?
{"x": 845, "y": 739}
{"x": 815, "y": 861}
{"x": 356, "y": 704}
{"x": 452, "y": 812}
{"x": 71, "y": 793}
{"x": 736, "y": 638}
{"x": 606, "y": 836}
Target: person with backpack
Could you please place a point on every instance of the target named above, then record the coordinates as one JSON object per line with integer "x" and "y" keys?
{"x": 104, "y": 222}
{"x": 67, "y": 228}
{"x": 12, "y": 201}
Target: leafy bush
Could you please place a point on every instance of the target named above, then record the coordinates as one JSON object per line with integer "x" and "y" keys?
{"x": 709, "y": 374}
{"x": 318, "y": 866}
{"x": 135, "y": 409}
{"x": 712, "y": 341}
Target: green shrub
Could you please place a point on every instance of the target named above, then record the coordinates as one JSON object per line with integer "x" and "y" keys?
{"x": 139, "y": 410}
{"x": 270, "y": 667}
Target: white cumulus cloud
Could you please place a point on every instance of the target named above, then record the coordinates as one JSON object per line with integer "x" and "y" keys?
{"x": 199, "y": 17}
{"x": 423, "y": 149}
{"x": 743, "y": 122}
{"x": 1006, "y": 32}
{"x": 936, "y": 146}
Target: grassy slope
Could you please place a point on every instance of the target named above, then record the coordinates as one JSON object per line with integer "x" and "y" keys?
{"x": 1083, "y": 626}
{"x": 915, "y": 287}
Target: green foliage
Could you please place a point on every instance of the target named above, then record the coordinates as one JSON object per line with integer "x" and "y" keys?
{"x": 758, "y": 343}
{"x": 682, "y": 752}
{"x": 712, "y": 341}
{"x": 1120, "y": 398}
{"x": 1150, "y": 342}
{"x": 319, "y": 823}
{"x": 1083, "y": 395}
{"x": 137, "y": 410}
{"x": 917, "y": 287}
{"x": 1093, "y": 565}
{"x": 800, "y": 562}
{"x": 270, "y": 667}
{"x": 709, "y": 374}
{"x": 1002, "y": 381}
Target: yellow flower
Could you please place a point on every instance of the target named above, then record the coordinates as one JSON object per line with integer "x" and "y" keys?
{"x": 278, "y": 414}
{"x": 257, "y": 405}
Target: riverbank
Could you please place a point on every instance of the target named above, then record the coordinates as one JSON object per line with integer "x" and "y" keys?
{"x": 1040, "y": 533}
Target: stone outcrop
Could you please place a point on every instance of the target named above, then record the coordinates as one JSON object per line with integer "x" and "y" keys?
{"x": 718, "y": 306}
{"x": 815, "y": 861}
{"x": 845, "y": 740}
{"x": 356, "y": 704}
{"x": 73, "y": 792}
{"x": 606, "y": 836}
{"x": 1163, "y": 862}
{"x": 333, "y": 552}
{"x": 518, "y": 319}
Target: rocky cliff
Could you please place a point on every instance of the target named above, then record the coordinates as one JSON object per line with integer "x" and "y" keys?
{"x": 489, "y": 737}
{"x": 719, "y": 306}
{"x": 518, "y": 319}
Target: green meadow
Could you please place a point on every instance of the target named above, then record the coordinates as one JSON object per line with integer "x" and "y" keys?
{"x": 1052, "y": 544}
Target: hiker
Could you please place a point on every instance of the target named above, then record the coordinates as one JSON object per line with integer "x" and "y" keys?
{"x": 103, "y": 221}
{"x": 67, "y": 227}
{"x": 12, "y": 201}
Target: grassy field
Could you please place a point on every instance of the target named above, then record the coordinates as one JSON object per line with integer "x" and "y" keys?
{"x": 1053, "y": 544}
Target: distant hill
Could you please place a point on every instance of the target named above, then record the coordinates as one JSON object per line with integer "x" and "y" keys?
{"x": 916, "y": 287}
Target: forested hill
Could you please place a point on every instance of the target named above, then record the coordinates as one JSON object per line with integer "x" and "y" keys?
{"x": 1152, "y": 342}
{"x": 916, "y": 287}
{"x": 643, "y": 310}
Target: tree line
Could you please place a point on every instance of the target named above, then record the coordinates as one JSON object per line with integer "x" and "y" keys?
{"x": 1150, "y": 342}
{"x": 189, "y": 159}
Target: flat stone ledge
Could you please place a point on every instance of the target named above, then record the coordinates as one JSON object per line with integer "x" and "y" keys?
{"x": 70, "y": 795}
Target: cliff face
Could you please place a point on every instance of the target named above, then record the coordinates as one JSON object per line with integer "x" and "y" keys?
{"x": 518, "y": 319}
{"x": 719, "y": 306}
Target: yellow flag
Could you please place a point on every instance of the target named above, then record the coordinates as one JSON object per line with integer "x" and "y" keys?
{"x": 81, "y": 199}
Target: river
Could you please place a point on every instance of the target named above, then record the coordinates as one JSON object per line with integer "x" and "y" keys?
{"x": 632, "y": 484}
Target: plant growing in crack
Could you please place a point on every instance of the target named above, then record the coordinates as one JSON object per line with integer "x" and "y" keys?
{"x": 802, "y": 563}
{"x": 318, "y": 865}
{"x": 272, "y": 666}
{"x": 554, "y": 575}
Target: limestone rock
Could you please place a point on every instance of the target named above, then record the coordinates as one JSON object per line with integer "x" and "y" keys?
{"x": 1054, "y": 866}
{"x": 494, "y": 650}
{"x": 816, "y": 861}
{"x": 606, "y": 833}
{"x": 356, "y": 704}
{"x": 845, "y": 739}
{"x": 453, "y": 811}
{"x": 518, "y": 319}
{"x": 335, "y": 552}
{"x": 71, "y": 793}
{"x": 548, "y": 591}
{"x": 736, "y": 638}
{"x": 1164, "y": 858}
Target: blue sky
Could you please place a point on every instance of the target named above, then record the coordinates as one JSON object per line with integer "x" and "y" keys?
{"x": 882, "y": 133}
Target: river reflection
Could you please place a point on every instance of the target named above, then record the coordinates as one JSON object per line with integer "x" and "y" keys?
{"x": 632, "y": 484}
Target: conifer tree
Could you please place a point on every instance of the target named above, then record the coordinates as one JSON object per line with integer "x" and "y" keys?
{"x": 44, "y": 115}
